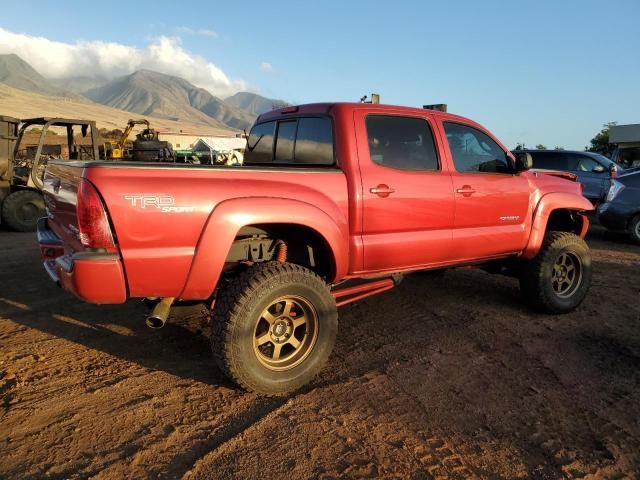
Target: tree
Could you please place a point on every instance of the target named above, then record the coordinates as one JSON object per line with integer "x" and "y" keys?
{"x": 558, "y": 147}
{"x": 519, "y": 146}
{"x": 541, "y": 147}
{"x": 600, "y": 143}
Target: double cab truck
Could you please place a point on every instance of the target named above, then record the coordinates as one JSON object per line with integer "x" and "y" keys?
{"x": 334, "y": 202}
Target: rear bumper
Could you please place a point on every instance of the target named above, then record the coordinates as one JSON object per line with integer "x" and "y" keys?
{"x": 94, "y": 277}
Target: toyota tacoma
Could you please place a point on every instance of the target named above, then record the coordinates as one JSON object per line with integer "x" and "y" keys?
{"x": 334, "y": 202}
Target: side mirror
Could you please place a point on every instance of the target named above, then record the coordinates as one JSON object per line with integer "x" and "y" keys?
{"x": 598, "y": 168}
{"x": 524, "y": 161}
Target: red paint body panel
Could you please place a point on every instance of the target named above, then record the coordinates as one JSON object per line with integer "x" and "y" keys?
{"x": 174, "y": 225}
{"x": 230, "y": 216}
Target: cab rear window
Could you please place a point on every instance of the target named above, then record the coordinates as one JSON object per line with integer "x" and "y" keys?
{"x": 260, "y": 143}
{"x": 304, "y": 141}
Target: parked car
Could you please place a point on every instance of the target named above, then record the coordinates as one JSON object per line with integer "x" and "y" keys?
{"x": 334, "y": 202}
{"x": 593, "y": 170}
{"x": 621, "y": 210}
{"x": 628, "y": 157}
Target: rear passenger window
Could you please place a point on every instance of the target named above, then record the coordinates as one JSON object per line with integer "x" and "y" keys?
{"x": 304, "y": 141}
{"x": 405, "y": 143}
{"x": 284, "y": 142}
{"x": 260, "y": 143}
{"x": 314, "y": 142}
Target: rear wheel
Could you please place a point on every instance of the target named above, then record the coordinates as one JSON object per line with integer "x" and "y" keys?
{"x": 634, "y": 229}
{"x": 274, "y": 326}
{"x": 22, "y": 209}
{"x": 558, "y": 278}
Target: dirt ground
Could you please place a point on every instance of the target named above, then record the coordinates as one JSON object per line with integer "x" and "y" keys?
{"x": 446, "y": 377}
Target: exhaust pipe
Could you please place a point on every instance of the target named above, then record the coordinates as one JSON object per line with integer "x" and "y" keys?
{"x": 160, "y": 313}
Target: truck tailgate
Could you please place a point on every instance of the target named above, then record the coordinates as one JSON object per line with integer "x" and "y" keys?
{"x": 60, "y": 195}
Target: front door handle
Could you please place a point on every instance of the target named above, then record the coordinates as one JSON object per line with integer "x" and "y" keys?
{"x": 466, "y": 191}
{"x": 382, "y": 190}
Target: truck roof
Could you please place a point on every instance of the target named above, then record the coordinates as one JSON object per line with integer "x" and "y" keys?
{"x": 325, "y": 108}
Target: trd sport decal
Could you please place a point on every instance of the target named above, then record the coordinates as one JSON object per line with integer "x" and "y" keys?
{"x": 164, "y": 203}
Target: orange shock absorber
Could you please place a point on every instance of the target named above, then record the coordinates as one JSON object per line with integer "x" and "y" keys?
{"x": 281, "y": 256}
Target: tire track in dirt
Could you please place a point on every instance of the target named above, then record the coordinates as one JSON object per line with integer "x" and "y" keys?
{"x": 203, "y": 437}
{"x": 7, "y": 383}
{"x": 337, "y": 432}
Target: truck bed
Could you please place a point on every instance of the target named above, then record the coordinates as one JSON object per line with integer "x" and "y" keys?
{"x": 159, "y": 211}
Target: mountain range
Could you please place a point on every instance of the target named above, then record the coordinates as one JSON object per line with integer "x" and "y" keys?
{"x": 144, "y": 92}
{"x": 252, "y": 103}
{"x": 17, "y": 73}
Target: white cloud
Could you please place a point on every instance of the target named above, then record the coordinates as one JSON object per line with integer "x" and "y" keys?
{"x": 203, "y": 32}
{"x": 267, "y": 67}
{"x": 61, "y": 60}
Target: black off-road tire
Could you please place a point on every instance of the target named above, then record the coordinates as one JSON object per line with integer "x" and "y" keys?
{"x": 536, "y": 276}
{"x": 238, "y": 308}
{"x": 634, "y": 229}
{"x": 22, "y": 209}
{"x": 4, "y": 191}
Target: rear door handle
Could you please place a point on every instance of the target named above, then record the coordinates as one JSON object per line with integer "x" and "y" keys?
{"x": 466, "y": 190}
{"x": 382, "y": 190}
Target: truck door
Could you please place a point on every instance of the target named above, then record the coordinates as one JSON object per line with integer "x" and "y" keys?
{"x": 491, "y": 201}
{"x": 407, "y": 197}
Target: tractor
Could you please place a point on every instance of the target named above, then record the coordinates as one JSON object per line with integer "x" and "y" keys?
{"x": 146, "y": 147}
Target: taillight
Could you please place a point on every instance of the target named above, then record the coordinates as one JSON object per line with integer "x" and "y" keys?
{"x": 93, "y": 223}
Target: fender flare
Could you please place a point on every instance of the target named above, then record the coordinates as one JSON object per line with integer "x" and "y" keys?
{"x": 546, "y": 205}
{"x": 229, "y": 216}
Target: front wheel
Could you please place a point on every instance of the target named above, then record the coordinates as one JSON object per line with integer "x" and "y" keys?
{"x": 274, "y": 326}
{"x": 558, "y": 278}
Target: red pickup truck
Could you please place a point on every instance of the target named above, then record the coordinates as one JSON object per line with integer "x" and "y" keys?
{"x": 334, "y": 202}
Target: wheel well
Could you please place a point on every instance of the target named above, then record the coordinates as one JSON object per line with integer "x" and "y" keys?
{"x": 632, "y": 217}
{"x": 564, "y": 220}
{"x": 305, "y": 246}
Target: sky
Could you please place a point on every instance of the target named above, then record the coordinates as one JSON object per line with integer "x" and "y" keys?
{"x": 550, "y": 72}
